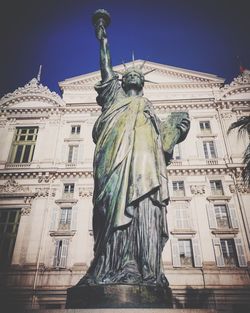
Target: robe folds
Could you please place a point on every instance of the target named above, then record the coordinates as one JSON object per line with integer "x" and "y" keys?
{"x": 130, "y": 190}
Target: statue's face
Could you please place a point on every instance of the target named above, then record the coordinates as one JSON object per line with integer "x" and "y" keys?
{"x": 133, "y": 80}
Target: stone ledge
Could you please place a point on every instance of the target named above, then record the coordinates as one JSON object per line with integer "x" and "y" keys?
{"x": 108, "y": 310}
{"x": 118, "y": 296}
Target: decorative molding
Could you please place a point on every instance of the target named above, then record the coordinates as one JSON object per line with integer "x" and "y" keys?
{"x": 44, "y": 192}
{"x": 66, "y": 201}
{"x": 45, "y": 177}
{"x": 11, "y": 186}
{"x": 183, "y": 232}
{"x": 198, "y": 189}
{"x": 180, "y": 198}
{"x": 214, "y": 198}
{"x": 86, "y": 192}
{"x": 62, "y": 233}
{"x": 25, "y": 210}
{"x": 240, "y": 187}
{"x": 239, "y": 85}
{"x": 226, "y": 231}
{"x": 32, "y": 91}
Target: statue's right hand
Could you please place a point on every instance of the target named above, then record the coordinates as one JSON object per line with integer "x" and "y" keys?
{"x": 100, "y": 32}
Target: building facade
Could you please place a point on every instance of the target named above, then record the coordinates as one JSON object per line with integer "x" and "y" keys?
{"x": 46, "y": 188}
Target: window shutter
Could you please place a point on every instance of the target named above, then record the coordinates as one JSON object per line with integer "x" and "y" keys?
{"x": 233, "y": 216}
{"x": 218, "y": 148}
{"x": 63, "y": 260}
{"x": 178, "y": 220}
{"x": 64, "y": 153}
{"x": 56, "y": 253}
{"x": 200, "y": 150}
{"x": 80, "y": 153}
{"x": 54, "y": 219}
{"x": 240, "y": 253}
{"x": 211, "y": 216}
{"x": 74, "y": 218}
{"x": 186, "y": 217}
{"x": 75, "y": 156}
{"x": 197, "y": 253}
{"x": 218, "y": 252}
{"x": 175, "y": 253}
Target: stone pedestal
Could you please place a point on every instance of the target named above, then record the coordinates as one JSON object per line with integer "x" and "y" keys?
{"x": 118, "y": 296}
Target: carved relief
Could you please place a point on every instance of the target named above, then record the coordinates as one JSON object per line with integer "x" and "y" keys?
{"x": 12, "y": 186}
{"x": 240, "y": 187}
{"x": 25, "y": 211}
{"x": 86, "y": 192}
{"x": 197, "y": 189}
{"x": 44, "y": 192}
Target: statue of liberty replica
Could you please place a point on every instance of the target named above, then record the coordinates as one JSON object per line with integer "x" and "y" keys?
{"x": 133, "y": 148}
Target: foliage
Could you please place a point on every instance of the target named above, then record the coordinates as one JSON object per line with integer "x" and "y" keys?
{"x": 243, "y": 125}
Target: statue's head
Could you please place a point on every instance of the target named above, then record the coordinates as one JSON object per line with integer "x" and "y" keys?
{"x": 133, "y": 78}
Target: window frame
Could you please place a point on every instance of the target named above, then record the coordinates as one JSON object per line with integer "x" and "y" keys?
{"x": 209, "y": 149}
{"x": 75, "y": 130}
{"x": 23, "y": 147}
{"x": 178, "y": 187}
{"x": 73, "y": 153}
{"x": 7, "y": 235}
{"x": 205, "y": 130}
{"x": 214, "y": 190}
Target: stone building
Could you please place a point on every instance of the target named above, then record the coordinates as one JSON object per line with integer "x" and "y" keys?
{"x": 46, "y": 187}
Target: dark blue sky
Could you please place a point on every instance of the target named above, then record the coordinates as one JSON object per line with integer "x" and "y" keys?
{"x": 202, "y": 35}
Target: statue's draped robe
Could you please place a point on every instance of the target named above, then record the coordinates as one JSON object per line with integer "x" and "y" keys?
{"x": 130, "y": 192}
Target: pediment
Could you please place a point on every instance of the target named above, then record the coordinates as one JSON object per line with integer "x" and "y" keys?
{"x": 33, "y": 94}
{"x": 161, "y": 74}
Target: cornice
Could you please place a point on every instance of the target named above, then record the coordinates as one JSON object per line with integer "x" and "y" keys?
{"x": 159, "y": 105}
{"x": 152, "y": 86}
{"x": 46, "y": 176}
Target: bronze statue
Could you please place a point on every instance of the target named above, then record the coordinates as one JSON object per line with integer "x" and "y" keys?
{"x": 133, "y": 147}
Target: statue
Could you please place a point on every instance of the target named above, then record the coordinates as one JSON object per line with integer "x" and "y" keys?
{"x": 130, "y": 197}
{"x": 130, "y": 191}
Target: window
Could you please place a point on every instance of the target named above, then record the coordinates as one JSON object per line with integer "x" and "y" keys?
{"x": 186, "y": 253}
{"x": 209, "y": 149}
{"x": 9, "y": 222}
{"x": 68, "y": 190}
{"x": 24, "y": 144}
{"x": 61, "y": 253}
{"x": 221, "y": 216}
{"x": 178, "y": 188}
{"x": 216, "y": 187}
{"x": 229, "y": 252}
{"x": 75, "y": 129}
{"x": 182, "y": 216}
{"x": 177, "y": 152}
{"x": 73, "y": 153}
{"x": 205, "y": 127}
{"x": 65, "y": 218}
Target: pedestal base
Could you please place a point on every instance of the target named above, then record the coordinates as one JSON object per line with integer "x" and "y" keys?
{"x": 118, "y": 296}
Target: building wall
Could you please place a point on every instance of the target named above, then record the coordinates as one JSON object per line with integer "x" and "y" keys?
{"x": 37, "y": 189}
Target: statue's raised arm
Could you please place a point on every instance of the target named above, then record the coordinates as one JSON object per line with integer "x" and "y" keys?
{"x": 101, "y": 20}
